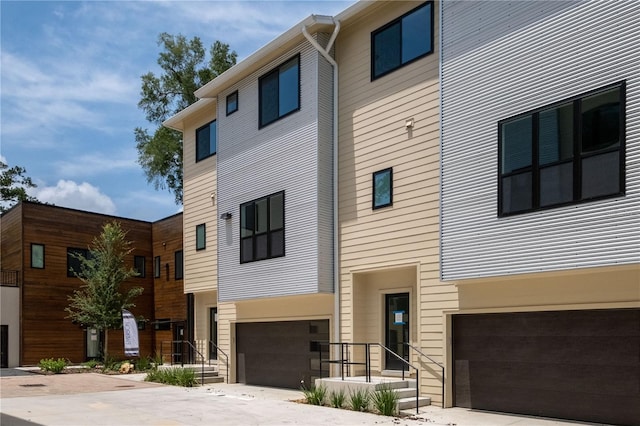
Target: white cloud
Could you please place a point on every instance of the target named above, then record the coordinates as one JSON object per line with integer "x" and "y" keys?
{"x": 98, "y": 163}
{"x": 83, "y": 196}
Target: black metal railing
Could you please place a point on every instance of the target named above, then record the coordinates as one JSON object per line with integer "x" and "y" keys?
{"x": 346, "y": 360}
{"x": 178, "y": 349}
{"x": 226, "y": 357}
{"x": 422, "y": 354}
{"x": 9, "y": 278}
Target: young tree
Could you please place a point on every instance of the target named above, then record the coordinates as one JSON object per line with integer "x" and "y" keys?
{"x": 99, "y": 303}
{"x": 13, "y": 186}
{"x": 184, "y": 70}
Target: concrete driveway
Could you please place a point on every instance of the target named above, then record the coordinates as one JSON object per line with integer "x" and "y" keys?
{"x": 95, "y": 399}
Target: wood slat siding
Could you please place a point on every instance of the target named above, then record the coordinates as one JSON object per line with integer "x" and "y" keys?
{"x": 200, "y": 266}
{"x": 46, "y": 333}
{"x": 169, "y": 298}
{"x": 288, "y": 155}
{"x": 10, "y": 243}
{"x": 399, "y": 244}
{"x": 502, "y": 59}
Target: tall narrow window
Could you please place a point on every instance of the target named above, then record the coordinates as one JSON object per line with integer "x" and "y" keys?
{"x": 280, "y": 91}
{"x": 568, "y": 152}
{"x": 139, "y": 266}
{"x": 37, "y": 256}
{"x": 179, "y": 262}
{"x": 206, "y": 141}
{"x": 262, "y": 228}
{"x": 382, "y": 188}
{"x": 232, "y": 103}
{"x": 156, "y": 267}
{"x": 402, "y": 41}
{"x": 201, "y": 237}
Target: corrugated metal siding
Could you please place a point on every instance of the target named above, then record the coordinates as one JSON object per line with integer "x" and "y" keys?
{"x": 501, "y": 59}
{"x": 253, "y": 163}
{"x": 200, "y": 267}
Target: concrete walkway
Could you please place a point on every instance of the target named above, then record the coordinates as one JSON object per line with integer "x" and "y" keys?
{"x": 95, "y": 399}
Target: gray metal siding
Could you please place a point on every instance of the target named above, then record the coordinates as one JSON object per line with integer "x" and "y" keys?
{"x": 253, "y": 163}
{"x": 501, "y": 59}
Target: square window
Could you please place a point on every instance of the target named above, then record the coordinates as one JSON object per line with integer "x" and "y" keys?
{"x": 139, "y": 266}
{"x": 568, "y": 152}
{"x": 37, "y": 256}
{"x": 206, "y": 141}
{"x": 279, "y": 92}
{"x": 262, "y": 228}
{"x": 232, "y": 103}
{"x": 156, "y": 267}
{"x": 383, "y": 188}
{"x": 402, "y": 41}
{"x": 179, "y": 262}
{"x": 201, "y": 237}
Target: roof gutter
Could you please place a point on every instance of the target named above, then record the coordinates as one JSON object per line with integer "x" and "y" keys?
{"x": 336, "y": 252}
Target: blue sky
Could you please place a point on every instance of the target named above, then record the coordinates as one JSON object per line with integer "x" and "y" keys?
{"x": 70, "y": 84}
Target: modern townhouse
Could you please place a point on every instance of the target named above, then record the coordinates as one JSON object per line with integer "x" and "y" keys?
{"x": 326, "y": 142}
{"x": 37, "y": 244}
{"x": 540, "y": 203}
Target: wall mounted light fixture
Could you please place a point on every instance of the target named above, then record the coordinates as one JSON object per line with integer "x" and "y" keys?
{"x": 225, "y": 216}
{"x": 409, "y": 123}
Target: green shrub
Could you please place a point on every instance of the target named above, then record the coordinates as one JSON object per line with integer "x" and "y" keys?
{"x": 54, "y": 365}
{"x": 143, "y": 364}
{"x": 175, "y": 376}
{"x": 337, "y": 399}
{"x": 359, "y": 400}
{"x": 315, "y": 395}
{"x": 385, "y": 401}
{"x": 92, "y": 363}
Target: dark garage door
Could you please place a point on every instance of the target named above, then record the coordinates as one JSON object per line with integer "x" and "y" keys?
{"x": 580, "y": 365}
{"x": 279, "y": 354}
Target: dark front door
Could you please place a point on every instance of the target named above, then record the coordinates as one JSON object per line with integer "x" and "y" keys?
{"x": 397, "y": 330}
{"x": 4, "y": 346}
{"x": 178, "y": 344}
{"x": 213, "y": 333}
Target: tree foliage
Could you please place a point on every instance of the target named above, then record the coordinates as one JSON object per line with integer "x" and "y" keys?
{"x": 13, "y": 186}
{"x": 184, "y": 69}
{"x": 99, "y": 302}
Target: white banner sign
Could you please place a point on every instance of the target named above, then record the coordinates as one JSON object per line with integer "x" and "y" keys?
{"x": 130, "y": 328}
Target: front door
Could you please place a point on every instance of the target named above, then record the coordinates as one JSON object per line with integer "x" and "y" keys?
{"x": 4, "y": 346}
{"x": 178, "y": 344}
{"x": 397, "y": 330}
{"x": 93, "y": 343}
{"x": 213, "y": 333}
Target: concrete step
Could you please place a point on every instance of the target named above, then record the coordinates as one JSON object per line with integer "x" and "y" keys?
{"x": 407, "y": 403}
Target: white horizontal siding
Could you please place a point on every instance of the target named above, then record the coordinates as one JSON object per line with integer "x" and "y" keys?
{"x": 283, "y": 156}
{"x": 501, "y": 59}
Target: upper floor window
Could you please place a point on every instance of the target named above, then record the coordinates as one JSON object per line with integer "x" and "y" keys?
{"x": 206, "y": 141}
{"x": 139, "y": 266}
{"x": 564, "y": 153}
{"x": 232, "y": 103}
{"x": 179, "y": 261}
{"x": 402, "y": 41}
{"x": 382, "y": 188}
{"x": 37, "y": 256}
{"x": 156, "y": 267}
{"x": 74, "y": 264}
{"x": 201, "y": 237}
{"x": 262, "y": 228}
{"x": 280, "y": 91}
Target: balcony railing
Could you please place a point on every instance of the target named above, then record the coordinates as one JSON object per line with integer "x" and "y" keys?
{"x": 9, "y": 278}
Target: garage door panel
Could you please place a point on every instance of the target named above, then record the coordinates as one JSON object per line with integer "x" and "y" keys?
{"x": 581, "y": 365}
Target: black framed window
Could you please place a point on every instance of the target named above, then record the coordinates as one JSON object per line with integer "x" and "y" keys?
{"x": 206, "y": 141}
{"x": 139, "y": 266}
{"x": 280, "y": 91}
{"x": 232, "y": 103}
{"x": 201, "y": 236}
{"x": 179, "y": 262}
{"x": 565, "y": 153}
{"x": 402, "y": 41}
{"x": 382, "y": 188}
{"x": 156, "y": 267}
{"x": 73, "y": 262}
{"x": 37, "y": 256}
{"x": 262, "y": 228}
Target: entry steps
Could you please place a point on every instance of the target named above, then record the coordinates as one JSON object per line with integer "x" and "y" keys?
{"x": 209, "y": 376}
{"x": 405, "y": 389}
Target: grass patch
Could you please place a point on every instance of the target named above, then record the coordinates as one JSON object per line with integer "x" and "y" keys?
{"x": 175, "y": 376}
{"x": 385, "y": 401}
{"x": 55, "y": 366}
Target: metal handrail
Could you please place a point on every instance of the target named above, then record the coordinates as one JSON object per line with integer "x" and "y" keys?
{"x": 201, "y": 357}
{"x": 182, "y": 342}
{"x": 9, "y": 278}
{"x": 408, "y": 364}
{"x": 344, "y": 361}
{"x": 225, "y": 356}
{"x": 433, "y": 361}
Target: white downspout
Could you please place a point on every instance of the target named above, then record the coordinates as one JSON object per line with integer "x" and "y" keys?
{"x": 336, "y": 254}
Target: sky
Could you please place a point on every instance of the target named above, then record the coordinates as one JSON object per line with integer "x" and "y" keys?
{"x": 70, "y": 84}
